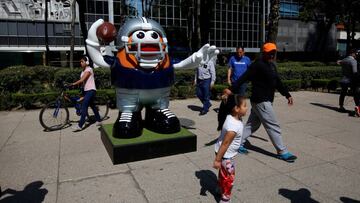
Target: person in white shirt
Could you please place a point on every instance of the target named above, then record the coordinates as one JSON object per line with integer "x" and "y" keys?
{"x": 228, "y": 143}
{"x": 205, "y": 77}
{"x": 88, "y": 82}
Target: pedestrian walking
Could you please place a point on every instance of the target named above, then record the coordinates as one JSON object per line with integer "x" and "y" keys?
{"x": 238, "y": 65}
{"x": 350, "y": 79}
{"x": 205, "y": 77}
{"x": 87, "y": 81}
{"x": 265, "y": 79}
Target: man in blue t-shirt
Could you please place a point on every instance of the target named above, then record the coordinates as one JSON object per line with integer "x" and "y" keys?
{"x": 238, "y": 65}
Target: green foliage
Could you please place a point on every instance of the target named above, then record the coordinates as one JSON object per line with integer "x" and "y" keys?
{"x": 292, "y": 85}
{"x": 307, "y": 74}
{"x": 66, "y": 76}
{"x": 31, "y": 87}
{"x": 102, "y": 77}
{"x": 329, "y": 84}
{"x": 217, "y": 91}
{"x": 185, "y": 91}
{"x": 25, "y": 79}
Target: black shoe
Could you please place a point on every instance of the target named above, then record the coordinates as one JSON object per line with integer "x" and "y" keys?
{"x": 203, "y": 112}
{"x": 342, "y": 109}
{"x": 161, "y": 121}
{"x": 128, "y": 125}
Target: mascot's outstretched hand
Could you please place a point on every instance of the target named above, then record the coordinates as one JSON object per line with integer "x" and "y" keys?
{"x": 200, "y": 57}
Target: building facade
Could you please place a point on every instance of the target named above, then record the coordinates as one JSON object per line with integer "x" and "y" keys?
{"x": 23, "y": 24}
{"x": 227, "y": 24}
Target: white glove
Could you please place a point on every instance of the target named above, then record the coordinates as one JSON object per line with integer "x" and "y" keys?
{"x": 200, "y": 57}
{"x": 93, "y": 45}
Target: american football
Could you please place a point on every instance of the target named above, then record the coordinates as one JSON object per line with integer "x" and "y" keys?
{"x": 106, "y": 32}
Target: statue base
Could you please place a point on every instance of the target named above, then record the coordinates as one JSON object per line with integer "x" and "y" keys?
{"x": 147, "y": 146}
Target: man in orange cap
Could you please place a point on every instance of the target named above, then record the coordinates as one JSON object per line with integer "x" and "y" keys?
{"x": 264, "y": 79}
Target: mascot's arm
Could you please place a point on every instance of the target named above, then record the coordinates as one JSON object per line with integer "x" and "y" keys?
{"x": 93, "y": 46}
{"x": 202, "y": 56}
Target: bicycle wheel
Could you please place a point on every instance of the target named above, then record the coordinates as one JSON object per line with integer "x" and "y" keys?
{"x": 102, "y": 105}
{"x": 54, "y": 116}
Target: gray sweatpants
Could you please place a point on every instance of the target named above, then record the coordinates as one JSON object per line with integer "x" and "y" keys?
{"x": 263, "y": 113}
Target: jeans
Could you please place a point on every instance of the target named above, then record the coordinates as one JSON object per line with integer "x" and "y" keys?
{"x": 242, "y": 89}
{"x": 88, "y": 101}
{"x": 203, "y": 92}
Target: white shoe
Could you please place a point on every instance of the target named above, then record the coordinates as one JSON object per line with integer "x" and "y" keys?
{"x": 98, "y": 123}
{"x": 76, "y": 128}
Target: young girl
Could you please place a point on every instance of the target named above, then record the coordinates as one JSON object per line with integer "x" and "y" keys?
{"x": 228, "y": 143}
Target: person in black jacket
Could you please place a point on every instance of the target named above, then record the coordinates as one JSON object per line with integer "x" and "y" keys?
{"x": 264, "y": 79}
{"x": 349, "y": 67}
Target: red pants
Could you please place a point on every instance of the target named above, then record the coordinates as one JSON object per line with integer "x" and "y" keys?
{"x": 226, "y": 178}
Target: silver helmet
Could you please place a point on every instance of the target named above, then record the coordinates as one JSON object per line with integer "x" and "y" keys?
{"x": 144, "y": 38}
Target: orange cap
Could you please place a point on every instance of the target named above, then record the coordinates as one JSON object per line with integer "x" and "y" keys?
{"x": 269, "y": 47}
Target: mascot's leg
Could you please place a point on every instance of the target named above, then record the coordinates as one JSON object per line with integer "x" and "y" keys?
{"x": 158, "y": 117}
{"x": 129, "y": 122}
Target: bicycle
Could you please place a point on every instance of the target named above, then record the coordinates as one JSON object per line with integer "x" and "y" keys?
{"x": 55, "y": 115}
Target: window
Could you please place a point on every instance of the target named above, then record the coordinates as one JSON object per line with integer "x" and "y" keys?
{"x": 289, "y": 8}
{"x": 22, "y": 28}
{"x": 3, "y": 30}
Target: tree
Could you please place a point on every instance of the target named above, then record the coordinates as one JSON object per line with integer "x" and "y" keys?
{"x": 328, "y": 12}
{"x": 82, "y": 11}
{"x": 72, "y": 38}
{"x": 146, "y": 7}
{"x": 273, "y": 24}
{"x": 46, "y": 34}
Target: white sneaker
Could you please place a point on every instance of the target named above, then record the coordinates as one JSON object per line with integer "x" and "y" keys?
{"x": 98, "y": 123}
{"x": 76, "y": 128}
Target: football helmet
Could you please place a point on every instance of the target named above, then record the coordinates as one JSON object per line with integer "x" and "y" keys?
{"x": 145, "y": 39}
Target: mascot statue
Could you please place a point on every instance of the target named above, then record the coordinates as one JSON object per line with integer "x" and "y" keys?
{"x": 141, "y": 72}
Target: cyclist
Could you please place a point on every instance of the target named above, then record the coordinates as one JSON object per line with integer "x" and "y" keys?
{"x": 87, "y": 80}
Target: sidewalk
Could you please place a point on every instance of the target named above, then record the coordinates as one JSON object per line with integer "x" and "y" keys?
{"x": 63, "y": 166}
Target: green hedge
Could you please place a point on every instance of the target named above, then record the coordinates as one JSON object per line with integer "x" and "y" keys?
{"x": 329, "y": 84}
{"x": 27, "y": 79}
{"x": 30, "y": 86}
{"x": 102, "y": 77}
{"x": 292, "y": 85}
{"x": 37, "y": 100}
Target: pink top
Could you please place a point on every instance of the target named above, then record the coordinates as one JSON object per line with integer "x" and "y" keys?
{"x": 89, "y": 84}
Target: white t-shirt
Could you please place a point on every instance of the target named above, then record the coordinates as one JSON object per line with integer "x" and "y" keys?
{"x": 230, "y": 124}
{"x": 90, "y": 82}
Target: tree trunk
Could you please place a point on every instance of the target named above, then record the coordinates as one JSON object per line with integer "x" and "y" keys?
{"x": 348, "y": 35}
{"x": 274, "y": 17}
{"x": 83, "y": 27}
{"x": 207, "y": 12}
{"x": 46, "y": 34}
{"x": 196, "y": 35}
{"x": 72, "y": 39}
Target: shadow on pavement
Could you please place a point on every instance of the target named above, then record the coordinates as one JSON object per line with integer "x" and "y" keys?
{"x": 348, "y": 200}
{"x": 194, "y": 108}
{"x": 31, "y": 193}
{"x": 208, "y": 183}
{"x": 211, "y": 142}
{"x": 350, "y": 113}
{"x": 260, "y": 138}
{"x": 302, "y": 195}
{"x": 187, "y": 123}
{"x": 251, "y": 147}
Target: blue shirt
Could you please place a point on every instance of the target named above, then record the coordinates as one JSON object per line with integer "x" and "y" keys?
{"x": 238, "y": 66}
